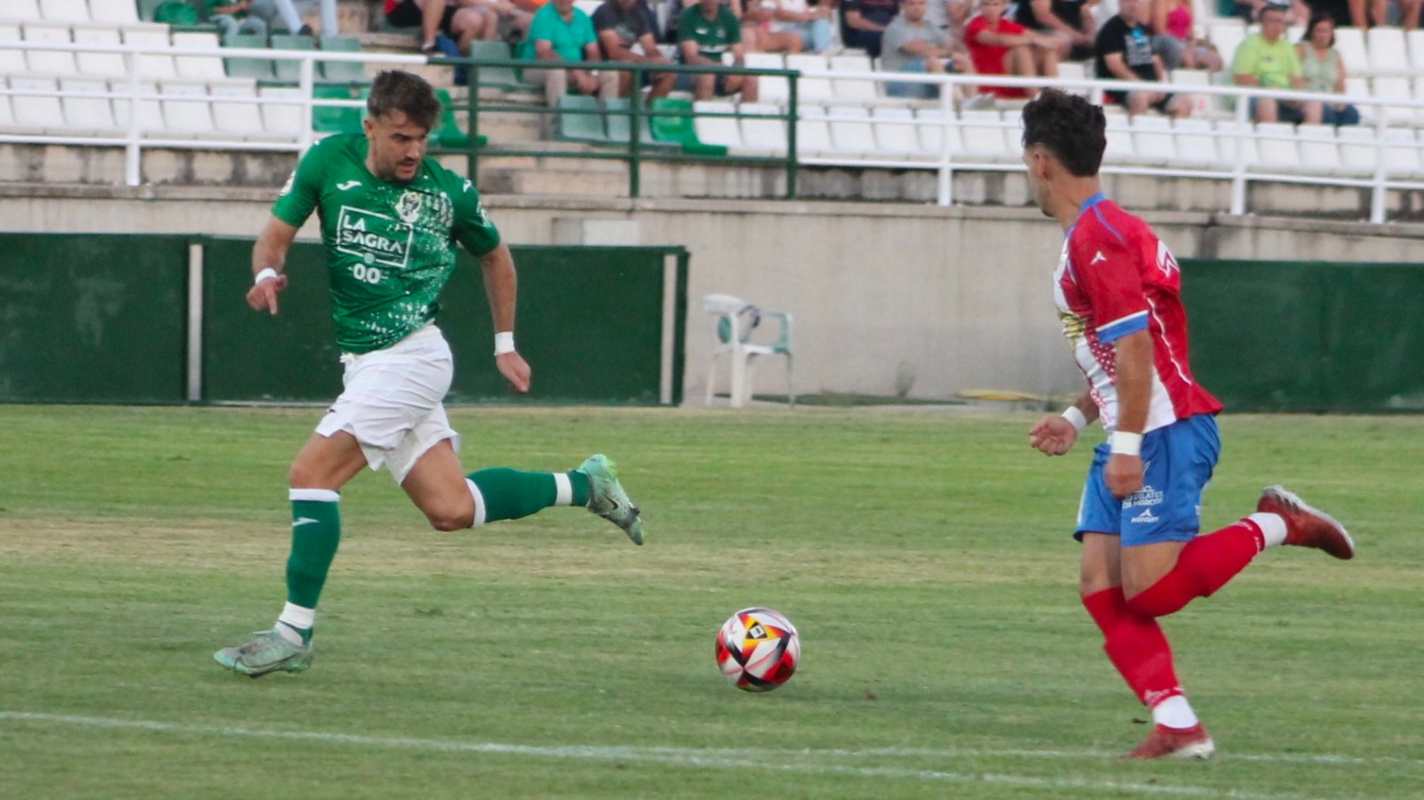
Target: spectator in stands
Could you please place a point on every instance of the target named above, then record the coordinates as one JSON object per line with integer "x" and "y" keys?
{"x": 622, "y": 25}
{"x": 1070, "y": 22}
{"x": 503, "y": 19}
{"x": 865, "y": 21}
{"x": 1124, "y": 52}
{"x": 760, "y": 33}
{"x": 1267, "y": 60}
{"x": 1324, "y": 70}
{"x": 1173, "y": 40}
{"x": 705, "y": 31}
{"x": 1298, "y": 9}
{"x": 232, "y": 18}
{"x": 810, "y": 25}
{"x": 290, "y": 14}
{"x": 912, "y": 44}
{"x": 1000, "y": 46}
{"x": 460, "y": 22}
{"x": 563, "y": 33}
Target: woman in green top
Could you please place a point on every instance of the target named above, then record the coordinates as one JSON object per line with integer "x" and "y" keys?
{"x": 1325, "y": 70}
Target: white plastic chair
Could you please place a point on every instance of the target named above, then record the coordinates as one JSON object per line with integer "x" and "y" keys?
{"x": 932, "y": 136}
{"x": 762, "y": 135}
{"x": 851, "y": 133}
{"x": 1358, "y": 155}
{"x": 717, "y": 130}
{"x": 1196, "y": 144}
{"x": 734, "y": 322}
{"x": 1389, "y": 55}
{"x": 49, "y": 62}
{"x": 895, "y": 132}
{"x": 853, "y": 89}
{"x": 1415, "y": 38}
{"x": 809, "y": 89}
{"x": 1351, "y": 44}
{"x": 770, "y": 88}
{"x": 12, "y": 61}
{"x": 99, "y": 65}
{"x": 1152, "y": 139}
{"x": 813, "y": 133}
{"x": 65, "y": 10}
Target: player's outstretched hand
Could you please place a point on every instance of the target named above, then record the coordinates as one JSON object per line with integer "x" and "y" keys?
{"x": 264, "y": 295}
{"x": 1123, "y": 474}
{"x": 1053, "y": 435}
{"x": 514, "y": 369}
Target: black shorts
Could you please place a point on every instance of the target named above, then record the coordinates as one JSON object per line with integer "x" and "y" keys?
{"x": 407, "y": 14}
{"x": 1120, "y": 98}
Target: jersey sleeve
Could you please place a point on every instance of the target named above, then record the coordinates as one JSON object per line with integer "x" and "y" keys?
{"x": 303, "y": 189}
{"x": 473, "y": 228}
{"x": 1109, "y": 272}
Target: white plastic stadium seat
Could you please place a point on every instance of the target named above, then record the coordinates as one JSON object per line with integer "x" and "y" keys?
{"x": 1419, "y": 95}
{"x": 66, "y": 10}
{"x": 150, "y": 116}
{"x": 1119, "y": 133}
{"x": 1401, "y": 153}
{"x": 734, "y": 323}
{"x": 1387, "y": 51}
{"x": 99, "y": 65}
{"x": 1358, "y": 155}
{"x": 813, "y": 133}
{"x": 811, "y": 90}
{"x": 1358, "y": 89}
{"x": 1416, "y": 49}
{"x": 770, "y": 88}
{"x": 1227, "y": 35}
{"x": 1351, "y": 44}
{"x": 851, "y": 132}
{"x": 35, "y": 112}
{"x": 1395, "y": 88}
{"x": 717, "y": 130}
{"x": 982, "y": 133}
{"x": 1277, "y": 147}
{"x": 1318, "y": 151}
{"x": 932, "y": 137}
{"x": 7, "y": 116}
{"x": 114, "y": 12}
{"x": 12, "y": 61}
{"x": 186, "y": 116}
{"x": 43, "y": 62}
{"x": 1152, "y": 139}
{"x": 895, "y": 132}
{"x": 762, "y": 135}
{"x": 151, "y": 65}
{"x": 1201, "y": 103}
{"x": 1233, "y": 138}
{"x": 90, "y": 114}
{"x": 201, "y": 68}
{"x": 281, "y": 119}
{"x": 1196, "y": 144}
{"x": 853, "y": 89}
{"x": 1074, "y": 70}
{"x": 21, "y": 10}
{"x": 236, "y": 119}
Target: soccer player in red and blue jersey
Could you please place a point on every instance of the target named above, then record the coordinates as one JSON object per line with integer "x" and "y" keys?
{"x": 1118, "y": 291}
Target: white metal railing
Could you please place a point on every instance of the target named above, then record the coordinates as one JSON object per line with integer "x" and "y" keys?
{"x": 1239, "y": 172}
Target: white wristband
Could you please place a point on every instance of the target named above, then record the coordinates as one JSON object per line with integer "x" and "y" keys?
{"x": 503, "y": 342}
{"x": 266, "y": 273}
{"x": 1075, "y": 416}
{"x": 1128, "y": 444}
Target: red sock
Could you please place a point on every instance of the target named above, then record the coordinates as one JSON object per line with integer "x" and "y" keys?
{"x": 1204, "y": 565}
{"x": 1135, "y": 645}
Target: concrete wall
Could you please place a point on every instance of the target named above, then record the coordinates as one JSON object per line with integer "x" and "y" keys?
{"x": 960, "y": 297}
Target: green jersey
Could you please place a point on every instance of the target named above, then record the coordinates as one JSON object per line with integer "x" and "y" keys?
{"x": 714, "y": 37}
{"x": 390, "y": 247}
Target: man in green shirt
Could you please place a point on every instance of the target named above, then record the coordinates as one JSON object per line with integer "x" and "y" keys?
{"x": 1269, "y": 61}
{"x": 390, "y": 219}
{"x": 562, "y": 32}
{"x": 704, "y": 32}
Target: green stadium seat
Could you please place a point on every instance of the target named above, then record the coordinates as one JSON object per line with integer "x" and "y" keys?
{"x": 341, "y": 71}
{"x": 146, "y": 9}
{"x": 290, "y": 71}
{"x": 328, "y": 119}
{"x": 679, "y": 130}
{"x": 618, "y": 124}
{"x": 505, "y": 78}
{"x": 447, "y": 132}
{"x": 580, "y": 127}
{"x": 255, "y": 68}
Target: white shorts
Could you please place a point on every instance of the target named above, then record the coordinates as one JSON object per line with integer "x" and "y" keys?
{"x": 392, "y": 401}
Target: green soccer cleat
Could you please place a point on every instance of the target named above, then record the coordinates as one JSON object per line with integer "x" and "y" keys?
{"x": 266, "y": 652}
{"x": 607, "y": 498}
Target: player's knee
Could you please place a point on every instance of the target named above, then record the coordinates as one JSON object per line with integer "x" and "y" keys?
{"x": 302, "y": 476}
{"x": 450, "y": 519}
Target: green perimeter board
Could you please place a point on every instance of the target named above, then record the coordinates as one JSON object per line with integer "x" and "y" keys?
{"x": 93, "y": 318}
{"x": 589, "y": 323}
{"x": 1307, "y": 336}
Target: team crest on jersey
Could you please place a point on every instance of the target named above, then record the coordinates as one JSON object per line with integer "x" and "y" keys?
{"x": 408, "y": 207}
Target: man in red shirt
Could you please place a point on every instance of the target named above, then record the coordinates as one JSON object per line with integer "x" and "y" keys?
{"x": 1000, "y": 46}
{"x": 1118, "y": 292}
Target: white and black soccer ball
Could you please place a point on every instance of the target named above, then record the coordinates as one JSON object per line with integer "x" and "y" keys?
{"x": 758, "y": 649}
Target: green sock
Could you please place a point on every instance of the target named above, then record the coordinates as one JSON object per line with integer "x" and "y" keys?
{"x": 316, "y": 531}
{"x": 511, "y": 494}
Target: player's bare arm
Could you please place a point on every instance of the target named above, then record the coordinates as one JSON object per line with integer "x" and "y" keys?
{"x": 1055, "y": 434}
{"x": 269, "y": 259}
{"x": 1134, "y": 387}
{"x": 501, "y": 287}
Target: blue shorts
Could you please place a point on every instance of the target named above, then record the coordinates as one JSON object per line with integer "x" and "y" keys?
{"x": 1178, "y": 461}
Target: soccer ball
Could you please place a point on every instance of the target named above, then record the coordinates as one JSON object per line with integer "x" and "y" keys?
{"x": 758, "y": 649}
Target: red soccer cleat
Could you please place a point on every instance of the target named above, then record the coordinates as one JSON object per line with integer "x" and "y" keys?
{"x": 1307, "y": 526}
{"x": 1165, "y": 742}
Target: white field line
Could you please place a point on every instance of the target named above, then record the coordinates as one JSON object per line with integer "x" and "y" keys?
{"x": 679, "y": 757}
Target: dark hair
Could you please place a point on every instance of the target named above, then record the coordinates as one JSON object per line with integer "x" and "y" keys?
{"x": 394, "y": 90}
{"x": 1310, "y": 28}
{"x": 1072, "y": 128}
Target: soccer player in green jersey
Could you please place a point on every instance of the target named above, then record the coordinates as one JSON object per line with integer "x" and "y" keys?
{"x": 390, "y": 219}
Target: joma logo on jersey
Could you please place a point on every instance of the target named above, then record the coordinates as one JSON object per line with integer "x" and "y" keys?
{"x": 374, "y": 238}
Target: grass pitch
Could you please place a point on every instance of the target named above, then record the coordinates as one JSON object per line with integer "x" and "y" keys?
{"x": 923, "y": 555}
